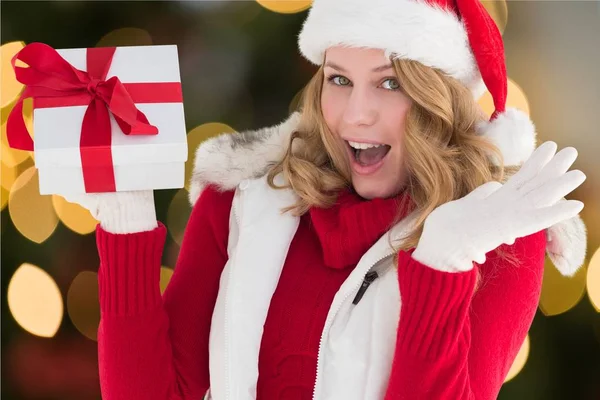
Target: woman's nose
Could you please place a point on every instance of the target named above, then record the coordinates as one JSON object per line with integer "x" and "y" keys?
{"x": 361, "y": 108}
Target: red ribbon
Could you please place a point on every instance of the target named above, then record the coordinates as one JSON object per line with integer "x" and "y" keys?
{"x": 52, "y": 82}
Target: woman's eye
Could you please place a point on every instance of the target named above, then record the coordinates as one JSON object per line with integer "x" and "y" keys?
{"x": 393, "y": 84}
{"x": 340, "y": 80}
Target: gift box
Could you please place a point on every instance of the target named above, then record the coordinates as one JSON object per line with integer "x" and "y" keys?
{"x": 104, "y": 119}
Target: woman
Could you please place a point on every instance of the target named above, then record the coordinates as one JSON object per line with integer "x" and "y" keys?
{"x": 362, "y": 249}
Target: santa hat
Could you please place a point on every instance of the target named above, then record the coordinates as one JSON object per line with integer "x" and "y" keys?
{"x": 457, "y": 37}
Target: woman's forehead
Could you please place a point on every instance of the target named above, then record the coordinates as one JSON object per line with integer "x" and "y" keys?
{"x": 356, "y": 61}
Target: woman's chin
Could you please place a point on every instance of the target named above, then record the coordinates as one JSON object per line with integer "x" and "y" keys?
{"x": 370, "y": 189}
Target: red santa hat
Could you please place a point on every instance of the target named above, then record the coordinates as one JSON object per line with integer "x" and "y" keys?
{"x": 457, "y": 37}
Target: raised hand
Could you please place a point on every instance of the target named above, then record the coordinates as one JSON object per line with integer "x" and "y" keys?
{"x": 462, "y": 231}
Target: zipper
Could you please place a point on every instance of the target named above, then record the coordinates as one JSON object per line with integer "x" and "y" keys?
{"x": 369, "y": 278}
{"x": 330, "y": 316}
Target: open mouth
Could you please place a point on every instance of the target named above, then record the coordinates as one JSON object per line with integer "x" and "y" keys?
{"x": 367, "y": 154}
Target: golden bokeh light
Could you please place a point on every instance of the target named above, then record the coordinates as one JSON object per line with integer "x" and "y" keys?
{"x": 560, "y": 293}
{"x": 593, "y": 280}
{"x": 519, "y": 361}
{"x": 178, "y": 215}
{"x": 8, "y": 177}
{"x": 9, "y": 156}
{"x": 5, "y": 112}
{"x": 125, "y": 37}
{"x": 498, "y": 10}
{"x": 515, "y": 99}
{"x": 10, "y": 87}
{"x": 73, "y": 216}
{"x": 32, "y": 214}
{"x": 35, "y": 301}
{"x": 165, "y": 277}
{"x": 12, "y": 156}
{"x": 285, "y": 6}
{"x": 198, "y": 135}
{"x": 82, "y": 304}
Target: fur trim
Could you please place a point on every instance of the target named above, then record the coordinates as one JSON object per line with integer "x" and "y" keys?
{"x": 413, "y": 29}
{"x": 513, "y": 133}
{"x": 228, "y": 159}
{"x": 567, "y": 245}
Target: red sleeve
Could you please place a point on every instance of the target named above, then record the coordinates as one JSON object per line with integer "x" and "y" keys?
{"x": 455, "y": 344}
{"x": 153, "y": 347}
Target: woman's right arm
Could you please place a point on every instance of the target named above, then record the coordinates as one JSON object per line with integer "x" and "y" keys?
{"x": 153, "y": 347}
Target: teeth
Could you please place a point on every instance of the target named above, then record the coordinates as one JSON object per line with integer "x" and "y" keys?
{"x": 363, "y": 146}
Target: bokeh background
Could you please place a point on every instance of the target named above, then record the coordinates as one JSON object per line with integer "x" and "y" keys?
{"x": 240, "y": 69}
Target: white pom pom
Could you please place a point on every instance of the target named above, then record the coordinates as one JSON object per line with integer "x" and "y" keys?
{"x": 567, "y": 245}
{"x": 513, "y": 133}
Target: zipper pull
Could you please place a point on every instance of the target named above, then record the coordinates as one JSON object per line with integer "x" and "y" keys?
{"x": 369, "y": 278}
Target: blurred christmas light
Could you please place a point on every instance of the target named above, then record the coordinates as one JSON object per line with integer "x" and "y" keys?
{"x": 5, "y": 111}
{"x": 165, "y": 277}
{"x": 515, "y": 99}
{"x": 498, "y": 10}
{"x": 35, "y": 301}
{"x": 10, "y": 87}
{"x": 8, "y": 177}
{"x": 285, "y": 6}
{"x": 593, "y": 280}
{"x": 12, "y": 156}
{"x": 519, "y": 361}
{"x": 82, "y": 304}
{"x": 31, "y": 213}
{"x": 178, "y": 215}
{"x": 197, "y": 136}
{"x": 9, "y": 156}
{"x": 560, "y": 293}
{"x": 125, "y": 37}
{"x": 75, "y": 217}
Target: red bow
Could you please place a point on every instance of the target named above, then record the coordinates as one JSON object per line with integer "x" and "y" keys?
{"x": 52, "y": 82}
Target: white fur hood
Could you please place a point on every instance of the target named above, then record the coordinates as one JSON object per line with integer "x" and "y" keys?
{"x": 228, "y": 159}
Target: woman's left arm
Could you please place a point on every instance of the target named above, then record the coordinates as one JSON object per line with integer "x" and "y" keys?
{"x": 454, "y": 344}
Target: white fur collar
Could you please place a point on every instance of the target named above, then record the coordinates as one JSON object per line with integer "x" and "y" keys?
{"x": 228, "y": 159}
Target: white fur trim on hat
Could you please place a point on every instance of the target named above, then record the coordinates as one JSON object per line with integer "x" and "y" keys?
{"x": 412, "y": 29}
{"x": 513, "y": 133}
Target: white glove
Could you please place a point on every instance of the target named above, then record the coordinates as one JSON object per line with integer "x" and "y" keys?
{"x": 462, "y": 231}
{"x": 120, "y": 212}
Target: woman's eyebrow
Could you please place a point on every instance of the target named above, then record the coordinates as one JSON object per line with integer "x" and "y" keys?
{"x": 376, "y": 69}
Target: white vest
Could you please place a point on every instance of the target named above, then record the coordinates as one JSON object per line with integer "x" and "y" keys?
{"x": 357, "y": 342}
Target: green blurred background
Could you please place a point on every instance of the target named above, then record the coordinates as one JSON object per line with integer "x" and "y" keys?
{"x": 240, "y": 69}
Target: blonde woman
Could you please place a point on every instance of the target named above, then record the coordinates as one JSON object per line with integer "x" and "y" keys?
{"x": 382, "y": 242}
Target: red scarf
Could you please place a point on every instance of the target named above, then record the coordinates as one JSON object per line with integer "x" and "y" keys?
{"x": 351, "y": 226}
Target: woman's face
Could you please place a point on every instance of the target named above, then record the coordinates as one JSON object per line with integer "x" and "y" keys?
{"x": 363, "y": 105}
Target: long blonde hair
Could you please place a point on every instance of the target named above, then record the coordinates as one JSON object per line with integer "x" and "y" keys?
{"x": 445, "y": 157}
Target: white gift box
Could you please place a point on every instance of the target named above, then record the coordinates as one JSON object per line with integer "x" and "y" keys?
{"x": 140, "y": 162}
